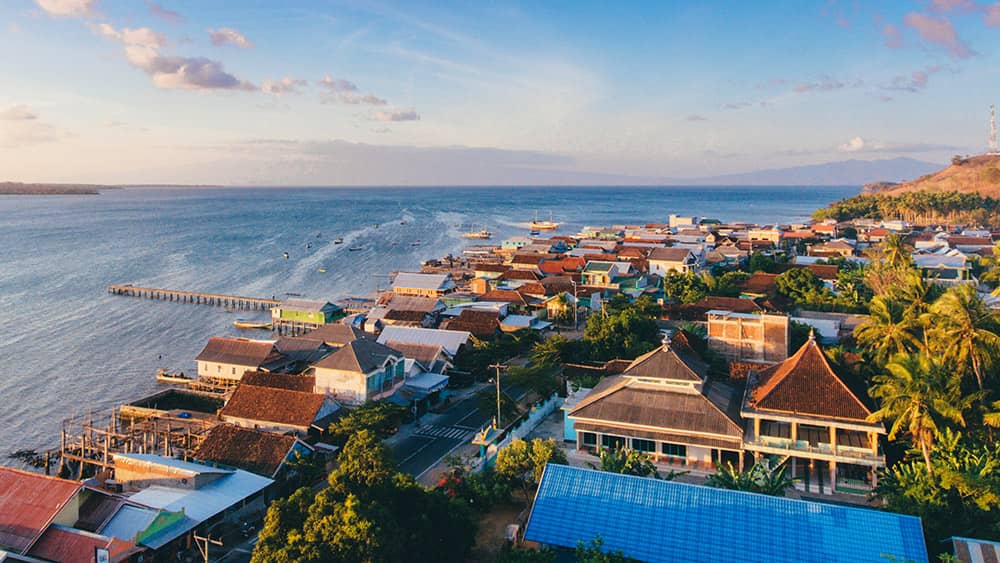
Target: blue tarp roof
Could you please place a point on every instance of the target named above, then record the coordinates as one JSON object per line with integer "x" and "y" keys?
{"x": 654, "y": 520}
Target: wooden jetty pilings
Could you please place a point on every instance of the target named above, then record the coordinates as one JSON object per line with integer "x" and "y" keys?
{"x": 233, "y": 301}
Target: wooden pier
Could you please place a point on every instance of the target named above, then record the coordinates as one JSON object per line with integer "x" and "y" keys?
{"x": 219, "y": 300}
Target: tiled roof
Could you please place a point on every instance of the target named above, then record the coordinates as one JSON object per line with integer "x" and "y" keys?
{"x": 479, "y": 323}
{"x": 676, "y": 362}
{"x": 671, "y": 254}
{"x": 410, "y": 316}
{"x": 661, "y": 521}
{"x": 282, "y": 406}
{"x": 527, "y": 275}
{"x": 806, "y": 384}
{"x": 760, "y": 282}
{"x": 239, "y": 351}
{"x": 535, "y": 289}
{"x": 360, "y": 356}
{"x": 244, "y": 448}
{"x": 505, "y": 296}
{"x": 425, "y": 354}
{"x": 335, "y": 334}
{"x": 28, "y": 503}
{"x": 821, "y": 271}
{"x": 304, "y": 383}
{"x": 620, "y": 400}
{"x": 484, "y": 267}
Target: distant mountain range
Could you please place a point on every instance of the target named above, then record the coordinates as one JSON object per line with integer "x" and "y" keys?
{"x": 843, "y": 173}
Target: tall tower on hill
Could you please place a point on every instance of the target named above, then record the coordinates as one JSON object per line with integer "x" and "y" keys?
{"x": 993, "y": 131}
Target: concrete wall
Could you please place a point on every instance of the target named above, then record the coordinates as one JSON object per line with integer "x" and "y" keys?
{"x": 223, "y": 371}
{"x": 348, "y": 386}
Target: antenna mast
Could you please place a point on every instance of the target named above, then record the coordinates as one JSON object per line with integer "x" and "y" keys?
{"x": 993, "y": 130}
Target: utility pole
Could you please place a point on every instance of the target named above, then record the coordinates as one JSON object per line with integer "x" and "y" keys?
{"x": 498, "y": 367}
{"x": 204, "y": 542}
{"x": 576, "y": 308}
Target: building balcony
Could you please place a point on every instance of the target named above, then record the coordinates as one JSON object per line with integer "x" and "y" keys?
{"x": 819, "y": 450}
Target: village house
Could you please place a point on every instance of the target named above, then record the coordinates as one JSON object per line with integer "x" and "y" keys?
{"x": 662, "y": 405}
{"x": 452, "y": 341}
{"x": 256, "y": 451}
{"x": 605, "y": 274}
{"x": 227, "y": 358}
{"x": 802, "y": 410}
{"x": 944, "y": 269}
{"x": 276, "y": 409}
{"x": 361, "y": 371}
{"x": 681, "y": 260}
{"x": 422, "y": 285}
{"x": 305, "y": 313}
{"x": 481, "y": 324}
{"x": 837, "y": 248}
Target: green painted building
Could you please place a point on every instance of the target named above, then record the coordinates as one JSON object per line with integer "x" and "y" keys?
{"x": 306, "y": 312}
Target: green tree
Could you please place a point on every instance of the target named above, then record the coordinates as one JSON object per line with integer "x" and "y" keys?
{"x": 801, "y": 285}
{"x": 761, "y": 263}
{"x": 888, "y": 330}
{"x": 918, "y": 395}
{"x": 686, "y": 287}
{"x": 368, "y": 513}
{"x": 550, "y": 351}
{"x": 761, "y": 478}
{"x": 380, "y": 417}
{"x": 965, "y": 329}
{"x": 515, "y": 555}
{"x": 623, "y": 330}
{"x": 627, "y": 462}
{"x": 522, "y": 463}
{"x": 594, "y": 552}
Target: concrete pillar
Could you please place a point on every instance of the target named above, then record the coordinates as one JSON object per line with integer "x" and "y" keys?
{"x": 795, "y": 432}
{"x": 833, "y": 439}
{"x": 873, "y": 439}
{"x": 833, "y": 476}
{"x": 756, "y": 428}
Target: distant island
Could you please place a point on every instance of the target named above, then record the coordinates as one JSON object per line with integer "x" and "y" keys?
{"x": 20, "y": 188}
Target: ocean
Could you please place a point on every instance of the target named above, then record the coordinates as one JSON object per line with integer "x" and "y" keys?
{"x": 67, "y": 346}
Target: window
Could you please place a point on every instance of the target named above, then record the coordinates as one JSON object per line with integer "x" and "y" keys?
{"x": 234, "y": 371}
{"x": 218, "y": 369}
{"x": 640, "y": 445}
{"x": 674, "y": 450}
{"x": 589, "y": 439}
{"x": 612, "y": 442}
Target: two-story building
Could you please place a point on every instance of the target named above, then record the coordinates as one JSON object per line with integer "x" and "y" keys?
{"x": 422, "y": 285}
{"x": 662, "y": 261}
{"x": 663, "y": 404}
{"x": 363, "y": 370}
{"x": 803, "y": 411}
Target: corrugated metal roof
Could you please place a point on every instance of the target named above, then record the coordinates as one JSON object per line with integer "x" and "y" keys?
{"x": 655, "y": 520}
{"x": 28, "y": 503}
{"x": 129, "y": 521}
{"x": 307, "y": 305}
{"x": 410, "y": 280}
{"x": 158, "y": 460}
{"x": 450, "y": 340}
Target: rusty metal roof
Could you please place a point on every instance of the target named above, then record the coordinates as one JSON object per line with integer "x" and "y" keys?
{"x": 28, "y": 504}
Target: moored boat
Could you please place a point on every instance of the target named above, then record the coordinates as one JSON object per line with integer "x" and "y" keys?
{"x": 481, "y": 234}
{"x": 164, "y": 376}
{"x": 244, "y": 323}
{"x": 549, "y": 225}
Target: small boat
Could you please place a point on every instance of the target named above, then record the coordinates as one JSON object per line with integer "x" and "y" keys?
{"x": 321, "y": 270}
{"x": 309, "y": 245}
{"x": 481, "y": 234}
{"x": 402, "y": 222}
{"x": 244, "y": 323}
{"x": 285, "y": 254}
{"x": 338, "y": 240}
{"x": 164, "y": 376}
{"x": 534, "y": 233}
{"x": 355, "y": 248}
{"x": 415, "y": 243}
{"x": 549, "y": 225}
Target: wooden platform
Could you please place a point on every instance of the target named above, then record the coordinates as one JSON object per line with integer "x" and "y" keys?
{"x": 219, "y": 300}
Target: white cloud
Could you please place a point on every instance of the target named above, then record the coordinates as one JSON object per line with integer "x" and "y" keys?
{"x": 229, "y": 36}
{"x": 283, "y": 86}
{"x": 142, "y": 49}
{"x": 396, "y": 115}
{"x": 856, "y": 144}
{"x": 346, "y": 92}
{"x": 68, "y": 8}
{"x": 19, "y": 112}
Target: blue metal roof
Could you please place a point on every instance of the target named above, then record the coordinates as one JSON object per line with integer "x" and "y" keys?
{"x": 653, "y": 520}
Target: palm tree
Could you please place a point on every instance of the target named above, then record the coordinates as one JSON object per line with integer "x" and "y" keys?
{"x": 894, "y": 252}
{"x": 917, "y": 394}
{"x": 965, "y": 329}
{"x": 888, "y": 331}
{"x": 761, "y": 478}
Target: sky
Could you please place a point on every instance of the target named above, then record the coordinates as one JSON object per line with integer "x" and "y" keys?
{"x": 317, "y": 92}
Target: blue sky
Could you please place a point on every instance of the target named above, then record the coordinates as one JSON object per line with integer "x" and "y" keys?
{"x": 320, "y": 92}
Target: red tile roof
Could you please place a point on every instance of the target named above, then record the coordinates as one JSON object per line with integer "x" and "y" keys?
{"x": 479, "y": 323}
{"x": 520, "y": 275}
{"x": 244, "y": 448}
{"x": 806, "y": 384}
{"x": 505, "y": 296}
{"x": 281, "y": 406}
{"x": 551, "y": 267}
{"x": 304, "y": 383}
{"x": 760, "y": 282}
{"x": 28, "y": 503}
{"x": 239, "y": 351}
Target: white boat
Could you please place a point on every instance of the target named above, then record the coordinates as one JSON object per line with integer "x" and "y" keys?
{"x": 549, "y": 225}
{"x": 338, "y": 240}
{"x": 356, "y": 248}
{"x": 481, "y": 234}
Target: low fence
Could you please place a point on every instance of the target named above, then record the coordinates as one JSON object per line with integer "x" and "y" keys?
{"x": 518, "y": 430}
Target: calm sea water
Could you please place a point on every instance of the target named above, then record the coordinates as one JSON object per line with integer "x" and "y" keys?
{"x": 67, "y": 347}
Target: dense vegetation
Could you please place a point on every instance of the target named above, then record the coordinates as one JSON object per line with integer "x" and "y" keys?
{"x": 915, "y": 207}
